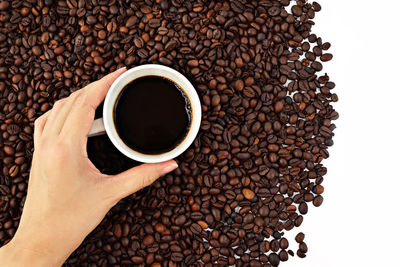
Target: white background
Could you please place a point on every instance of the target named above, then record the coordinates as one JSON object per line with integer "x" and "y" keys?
{"x": 358, "y": 223}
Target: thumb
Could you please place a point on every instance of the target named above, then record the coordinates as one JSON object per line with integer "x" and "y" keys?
{"x": 132, "y": 180}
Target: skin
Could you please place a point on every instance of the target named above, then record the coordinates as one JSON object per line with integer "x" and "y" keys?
{"x": 67, "y": 195}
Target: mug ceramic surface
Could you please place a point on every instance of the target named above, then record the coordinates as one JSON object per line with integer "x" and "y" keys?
{"x": 107, "y": 122}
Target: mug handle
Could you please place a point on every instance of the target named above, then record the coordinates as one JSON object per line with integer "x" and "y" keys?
{"x": 97, "y": 128}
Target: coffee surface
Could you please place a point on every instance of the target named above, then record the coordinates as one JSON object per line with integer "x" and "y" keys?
{"x": 152, "y": 115}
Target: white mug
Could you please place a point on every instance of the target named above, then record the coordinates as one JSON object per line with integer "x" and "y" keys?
{"x": 106, "y": 124}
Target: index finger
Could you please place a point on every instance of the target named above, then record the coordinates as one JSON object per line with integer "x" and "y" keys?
{"x": 80, "y": 120}
{"x": 96, "y": 91}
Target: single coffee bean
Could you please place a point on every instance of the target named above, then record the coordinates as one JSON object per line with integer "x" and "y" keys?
{"x": 9, "y": 150}
{"x": 249, "y": 194}
{"x": 4, "y": 5}
{"x": 283, "y": 243}
{"x": 300, "y": 254}
{"x": 148, "y": 240}
{"x": 277, "y": 235}
{"x": 299, "y": 237}
{"x": 196, "y": 228}
{"x": 318, "y": 201}
{"x": 274, "y": 259}
{"x": 326, "y": 57}
{"x": 180, "y": 220}
{"x": 283, "y": 255}
{"x": 177, "y": 257}
{"x": 318, "y": 189}
{"x": 264, "y": 211}
{"x": 303, "y": 208}
{"x": 13, "y": 171}
{"x": 303, "y": 247}
{"x": 137, "y": 259}
{"x": 203, "y": 224}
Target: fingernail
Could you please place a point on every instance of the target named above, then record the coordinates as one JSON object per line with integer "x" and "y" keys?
{"x": 170, "y": 167}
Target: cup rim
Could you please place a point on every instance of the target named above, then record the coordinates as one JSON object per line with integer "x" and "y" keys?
{"x": 148, "y": 70}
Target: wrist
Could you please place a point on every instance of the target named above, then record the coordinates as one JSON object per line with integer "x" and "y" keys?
{"x": 17, "y": 254}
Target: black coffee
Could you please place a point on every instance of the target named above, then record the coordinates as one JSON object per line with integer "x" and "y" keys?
{"x": 152, "y": 115}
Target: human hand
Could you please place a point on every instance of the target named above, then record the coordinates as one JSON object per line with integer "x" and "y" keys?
{"x": 67, "y": 195}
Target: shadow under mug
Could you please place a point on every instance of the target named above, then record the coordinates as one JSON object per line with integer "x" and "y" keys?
{"x": 106, "y": 124}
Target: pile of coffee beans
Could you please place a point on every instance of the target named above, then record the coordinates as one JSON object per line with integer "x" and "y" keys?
{"x": 256, "y": 164}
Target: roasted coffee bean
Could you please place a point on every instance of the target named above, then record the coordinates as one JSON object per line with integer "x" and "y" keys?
{"x": 277, "y": 235}
{"x": 203, "y": 224}
{"x": 297, "y": 10}
{"x": 248, "y": 193}
{"x": 4, "y": 5}
{"x": 13, "y": 171}
{"x": 264, "y": 211}
{"x": 300, "y": 254}
{"x": 283, "y": 255}
{"x": 180, "y": 220}
{"x": 177, "y": 257}
{"x": 299, "y": 237}
{"x": 137, "y": 259}
{"x": 267, "y": 122}
{"x": 326, "y": 57}
{"x": 303, "y": 208}
{"x": 196, "y": 228}
{"x": 274, "y": 259}
{"x": 318, "y": 201}
{"x": 98, "y": 60}
{"x": 283, "y": 243}
{"x": 148, "y": 240}
{"x": 318, "y": 189}
{"x": 8, "y": 150}
{"x": 303, "y": 247}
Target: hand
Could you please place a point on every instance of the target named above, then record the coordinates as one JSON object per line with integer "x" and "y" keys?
{"x": 67, "y": 195}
